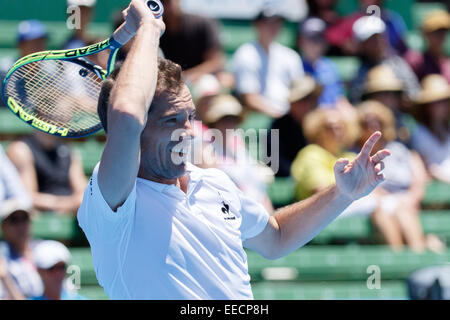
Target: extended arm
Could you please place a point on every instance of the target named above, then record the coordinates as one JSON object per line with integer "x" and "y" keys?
{"x": 293, "y": 226}
{"x": 129, "y": 103}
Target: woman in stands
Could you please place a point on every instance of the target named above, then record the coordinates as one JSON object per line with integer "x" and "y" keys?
{"x": 400, "y": 196}
{"x": 431, "y": 137}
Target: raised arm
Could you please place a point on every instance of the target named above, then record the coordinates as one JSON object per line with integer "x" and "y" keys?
{"x": 129, "y": 104}
{"x": 297, "y": 224}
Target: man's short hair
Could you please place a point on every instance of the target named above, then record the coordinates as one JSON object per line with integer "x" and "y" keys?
{"x": 169, "y": 81}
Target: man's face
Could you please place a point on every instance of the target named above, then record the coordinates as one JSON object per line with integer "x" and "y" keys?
{"x": 16, "y": 228}
{"x": 166, "y": 140}
{"x": 31, "y": 46}
{"x": 436, "y": 39}
{"x": 268, "y": 29}
{"x": 374, "y": 47}
{"x": 54, "y": 276}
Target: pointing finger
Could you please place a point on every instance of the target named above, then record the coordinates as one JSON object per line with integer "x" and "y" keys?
{"x": 368, "y": 146}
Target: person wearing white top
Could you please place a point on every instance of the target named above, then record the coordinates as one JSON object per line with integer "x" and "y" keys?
{"x": 264, "y": 69}
{"x": 161, "y": 228}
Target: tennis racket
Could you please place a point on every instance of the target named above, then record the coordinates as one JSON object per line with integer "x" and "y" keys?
{"x": 57, "y": 91}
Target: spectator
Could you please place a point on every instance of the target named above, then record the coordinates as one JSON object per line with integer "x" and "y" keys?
{"x": 17, "y": 250}
{"x": 330, "y": 134}
{"x": 431, "y": 137}
{"x": 204, "y": 91}
{"x": 374, "y": 50}
{"x": 52, "y": 173}
{"x": 192, "y": 41}
{"x": 303, "y": 98}
{"x": 400, "y": 195}
{"x": 231, "y": 154}
{"x": 312, "y": 45}
{"x": 382, "y": 85}
{"x": 80, "y": 38}
{"x": 434, "y": 61}
{"x": 340, "y": 35}
{"x": 11, "y": 186}
{"x": 31, "y": 37}
{"x": 265, "y": 69}
{"x": 51, "y": 259}
{"x": 324, "y": 10}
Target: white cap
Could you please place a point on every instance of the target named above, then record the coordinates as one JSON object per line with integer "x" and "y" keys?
{"x": 8, "y": 207}
{"x": 367, "y": 26}
{"x": 81, "y": 3}
{"x": 48, "y": 253}
{"x": 207, "y": 85}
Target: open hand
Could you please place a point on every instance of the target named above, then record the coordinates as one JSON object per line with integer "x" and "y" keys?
{"x": 359, "y": 177}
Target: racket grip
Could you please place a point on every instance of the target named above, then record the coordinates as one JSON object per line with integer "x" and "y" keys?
{"x": 122, "y": 35}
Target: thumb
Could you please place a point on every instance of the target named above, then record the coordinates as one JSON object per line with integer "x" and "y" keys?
{"x": 340, "y": 165}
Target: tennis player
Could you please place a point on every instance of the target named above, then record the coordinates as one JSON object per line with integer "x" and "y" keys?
{"x": 161, "y": 229}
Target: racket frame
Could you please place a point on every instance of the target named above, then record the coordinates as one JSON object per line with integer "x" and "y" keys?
{"x": 75, "y": 56}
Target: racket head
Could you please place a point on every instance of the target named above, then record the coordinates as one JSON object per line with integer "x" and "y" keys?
{"x": 56, "y": 96}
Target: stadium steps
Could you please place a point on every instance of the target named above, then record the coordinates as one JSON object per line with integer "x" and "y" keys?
{"x": 314, "y": 263}
{"x": 344, "y": 263}
{"x": 357, "y": 290}
{"x": 273, "y": 290}
{"x": 65, "y": 228}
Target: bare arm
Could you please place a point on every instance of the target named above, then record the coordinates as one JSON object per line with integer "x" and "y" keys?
{"x": 129, "y": 104}
{"x": 257, "y": 102}
{"x": 8, "y": 283}
{"x": 295, "y": 225}
{"x": 214, "y": 62}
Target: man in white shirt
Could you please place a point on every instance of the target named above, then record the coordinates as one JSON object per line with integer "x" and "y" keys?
{"x": 161, "y": 228}
{"x": 264, "y": 69}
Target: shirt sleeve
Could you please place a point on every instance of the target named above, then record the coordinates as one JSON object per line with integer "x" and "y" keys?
{"x": 254, "y": 217}
{"x": 95, "y": 216}
{"x": 246, "y": 72}
{"x": 13, "y": 186}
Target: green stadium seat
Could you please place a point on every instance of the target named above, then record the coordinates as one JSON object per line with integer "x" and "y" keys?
{"x": 356, "y": 228}
{"x": 11, "y": 126}
{"x": 51, "y": 226}
{"x": 437, "y": 193}
{"x": 347, "y": 67}
{"x": 82, "y": 258}
{"x": 93, "y": 293}
{"x": 323, "y": 263}
{"x": 269, "y": 290}
{"x": 91, "y": 152}
{"x": 282, "y": 191}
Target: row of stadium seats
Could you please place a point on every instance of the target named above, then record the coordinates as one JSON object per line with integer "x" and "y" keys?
{"x": 337, "y": 272}
{"x": 65, "y": 228}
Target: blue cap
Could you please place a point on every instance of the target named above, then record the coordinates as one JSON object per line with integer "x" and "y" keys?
{"x": 31, "y": 30}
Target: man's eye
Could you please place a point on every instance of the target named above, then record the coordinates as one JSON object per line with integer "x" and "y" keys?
{"x": 171, "y": 120}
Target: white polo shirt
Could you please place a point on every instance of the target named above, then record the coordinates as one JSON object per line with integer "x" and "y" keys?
{"x": 267, "y": 73}
{"x": 165, "y": 244}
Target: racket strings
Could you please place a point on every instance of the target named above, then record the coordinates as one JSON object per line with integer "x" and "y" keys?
{"x": 60, "y": 93}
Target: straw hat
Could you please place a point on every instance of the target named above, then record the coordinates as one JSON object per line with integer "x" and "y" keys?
{"x": 436, "y": 20}
{"x": 303, "y": 87}
{"x": 222, "y": 106}
{"x": 381, "y": 78}
{"x": 434, "y": 88}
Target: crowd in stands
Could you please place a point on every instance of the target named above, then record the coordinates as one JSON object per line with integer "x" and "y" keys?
{"x": 403, "y": 93}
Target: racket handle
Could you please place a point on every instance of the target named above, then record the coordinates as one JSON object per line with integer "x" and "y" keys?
{"x": 122, "y": 36}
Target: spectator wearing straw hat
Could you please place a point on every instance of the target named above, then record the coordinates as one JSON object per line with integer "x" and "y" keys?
{"x": 230, "y": 152}
{"x": 431, "y": 137}
{"x": 51, "y": 258}
{"x": 399, "y": 197}
{"x": 17, "y": 252}
{"x": 303, "y": 98}
{"x": 373, "y": 50}
{"x": 382, "y": 85}
{"x": 434, "y": 61}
